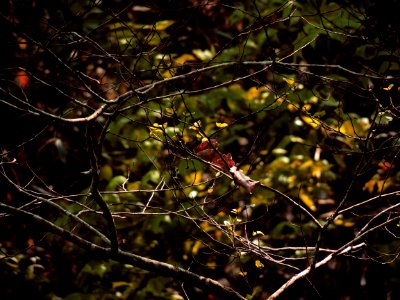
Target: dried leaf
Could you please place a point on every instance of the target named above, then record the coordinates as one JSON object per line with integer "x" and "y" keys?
{"x": 242, "y": 180}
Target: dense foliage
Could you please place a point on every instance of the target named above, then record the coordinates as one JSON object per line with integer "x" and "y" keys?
{"x": 255, "y": 143}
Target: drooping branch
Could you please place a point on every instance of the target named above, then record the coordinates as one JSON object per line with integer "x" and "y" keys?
{"x": 94, "y": 189}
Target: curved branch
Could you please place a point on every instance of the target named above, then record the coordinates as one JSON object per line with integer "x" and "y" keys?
{"x": 305, "y": 272}
{"x": 95, "y": 193}
{"x": 396, "y": 193}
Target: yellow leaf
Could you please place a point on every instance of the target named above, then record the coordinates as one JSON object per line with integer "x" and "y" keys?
{"x": 155, "y": 130}
{"x": 160, "y": 25}
{"x": 204, "y": 225}
{"x": 311, "y": 121}
{"x": 290, "y": 81}
{"x": 348, "y": 224}
{"x": 258, "y": 233}
{"x": 306, "y": 164}
{"x": 369, "y": 185}
{"x": 316, "y": 171}
{"x": 209, "y": 191}
{"x": 169, "y": 111}
{"x": 307, "y": 201}
{"x": 133, "y": 185}
{"x": 341, "y": 222}
{"x": 383, "y": 184}
{"x": 117, "y": 284}
{"x": 221, "y": 125}
{"x": 291, "y": 180}
{"x": 347, "y": 128}
{"x": 196, "y": 125}
{"x": 203, "y": 54}
{"x": 338, "y": 222}
{"x": 389, "y": 87}
{"x": 243, "y": 273}
{"x": 256, "y": 93}
{"x": 252, "y": 93}
{"x": 259, "y": 264}
{"x": 167, "y": 74}
{"x": 196, "y": 247}
{"x": 291, "y": 107}
{"x": 194, "y": 177}
{"x": 184, "y": 58}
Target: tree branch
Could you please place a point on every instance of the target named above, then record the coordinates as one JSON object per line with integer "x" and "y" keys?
{"x": 161, "y": 268}
{"x": 305, "y": 272}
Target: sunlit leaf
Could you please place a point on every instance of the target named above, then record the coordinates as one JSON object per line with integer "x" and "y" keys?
{"x": 370, "y": 185}
{"x": 257, "y": 94}
{"x": 258, "y": 233}
{"x": 389, "y": 87}
{"x": 313, "y": 122}
{"x": 184, "y": 58}
{"x": 22, "y": 43}
{"x": 194, "y": 178}
{"x": 160, "y": 25}
{"x": 168, "y": 74}
{"x": 221, "y": 125}
{"x": 169, "y": 111}
{"x": 204, "y": 55}
{"x": 259, "y": 264}
{"x": 156, "y": 130}
{"x": 196, "y": 125}
{"x": 384, "y": 118}
{"x": 290, "y": 81}
{"x": 197, "y": 245}
{"x": 340, "y": 221}
{"x": 227, "y": 223}
{"x": 193, "y": 194}
{"x": 307, "y": 200}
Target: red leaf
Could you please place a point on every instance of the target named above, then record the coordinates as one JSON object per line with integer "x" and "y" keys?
{"x": 208, "y": 152}
{"x": 206, "y": 145}
{"x": 22, "y": 79}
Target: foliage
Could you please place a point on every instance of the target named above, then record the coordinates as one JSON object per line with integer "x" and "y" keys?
{"x": 254, "y": 143}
